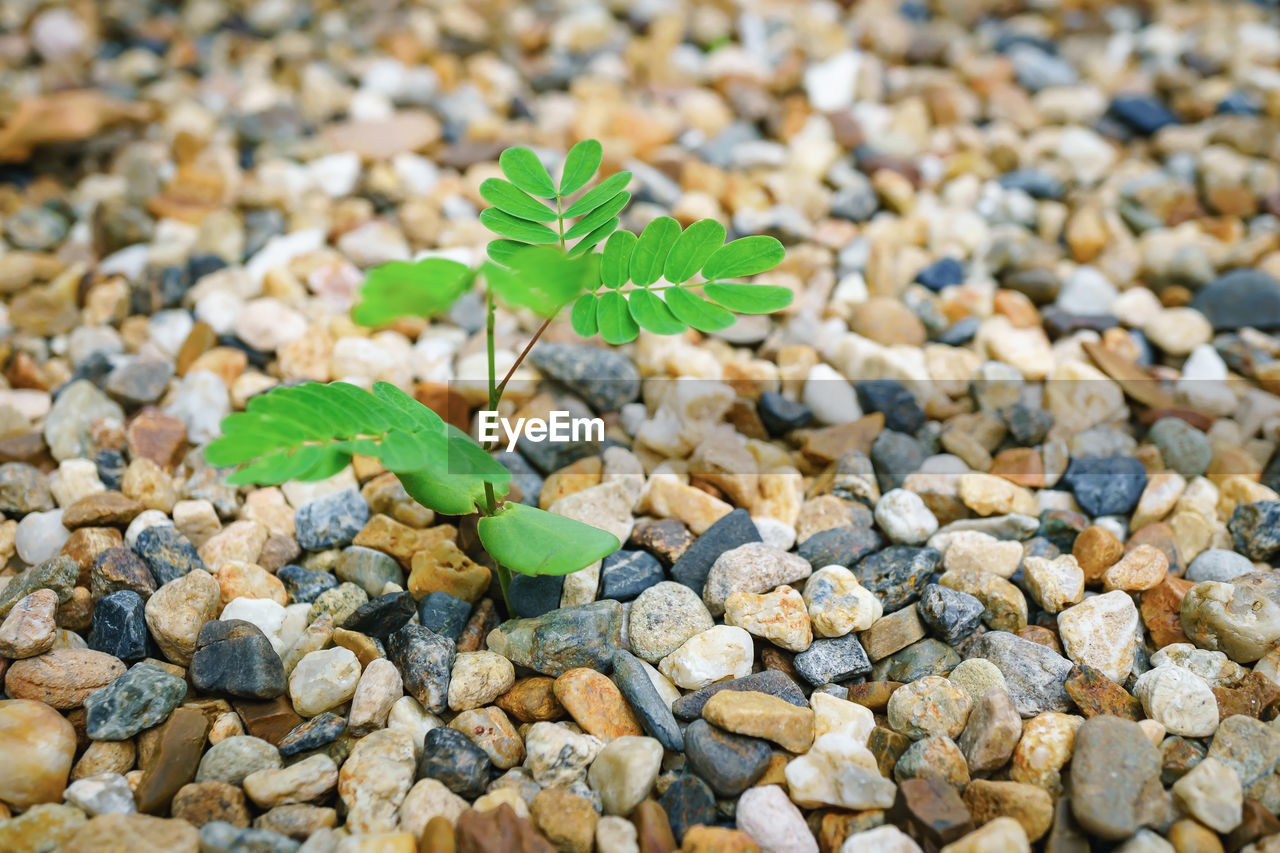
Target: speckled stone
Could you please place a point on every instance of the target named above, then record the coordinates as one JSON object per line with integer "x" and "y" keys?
{"x": 729, "y": 763}
{"x": 898, "y": 574}
{"x": 583, "y": 635}
{"x": 1034, "y": 673}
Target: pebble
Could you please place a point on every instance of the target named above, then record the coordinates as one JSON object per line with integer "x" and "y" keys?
{"x": 323, "y": 680}
{"x": 754, "y": 567}
{"x": 663, "y": 617}
{"x": 1179, "y": 700}
{"x": 1114, "y": 769}
{"x": 139, "y": 699}
{"x": 760, "y": 715}
{"x": 722, "y": 651}
{"x": 729, "y": 763}
{"x": 234, "y": 658}
{"x": 1034, "y": 673}
{"x": 1102, "y": 632}
{"x": 1241, "y": 618}
{"x": 1211, "y": 793}
{"x": 119, "y": 626}
{"x": 624, "y": 773}
{"x": 904, "y": 518}
{"x": 558, "y": 756}
{"x": 929, "y": 706}
{"x": 950, "y": 614}
{"x": 38, "y": 745}
{"x": 331, "y": 520}
{"x": 543, "y": 643}
{"x": 767, "y": 815}
{"x": 837, "y": 604}
{"x": 106, "y": 793}
{"x": 1054, "y": 584}
{"x": 779, "y": 617}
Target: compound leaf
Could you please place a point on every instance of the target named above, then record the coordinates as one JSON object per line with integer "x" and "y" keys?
{"x": 749, "y": 298}
{"x": 579, "y": 165}
{"x": 599, "y": 216}
{"x": 509, "y": 198}
{"x": 589, "y": 242}
{"x": 583, "y": 315}
{"x": 523, "y": 168}
{"x": 698, "y": 312}
{"x": 505, "y": 225}
{"x": 403, "y": 289}
{"x": 501, "y": 251}
{"x": 542, "y": 279}
{"x": 615, "y": 263}
{"x": 616, "y": 324}
{"x": 652, "y": 314}
{"x": 651, "y": 250}
{"x": 532, "y": 541}
{"x": 598, "y": 195}
{"x": 744, "y": 256}
{"x": 692, "y": 249}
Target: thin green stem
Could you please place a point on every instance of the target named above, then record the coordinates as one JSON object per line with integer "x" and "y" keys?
{"x": 490, "y": 498}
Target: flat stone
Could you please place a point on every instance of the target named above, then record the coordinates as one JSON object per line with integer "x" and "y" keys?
{"x": 652, "y": 711}
{"x": 772, "y": 682}
{"x": 174, "y": 761}
{"x": 991, "y": 733}
{"x": 731, "y": 531}
{"x": 1095, "y": 694}
{"x": 833, "y": 659}
{"x": 582, "y": 635}
{"x": 898, "y": 574}
{"x": 141, "y": 698}
{"x": 1115, "y": 770}
{"x": 729, "y": 763}
{"x": 760, "y": 715}
{"x": 1034, "y": 673}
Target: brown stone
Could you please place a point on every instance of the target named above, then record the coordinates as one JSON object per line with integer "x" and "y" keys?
{"x": 833, "y": 827}
{"x": 931, "y": 811}
{"x": 1096, "y": 549}
{"x": 717, "y": 839}
{"x": 101, "y": 509}
{"x": 653, "y": 829}
{"x": 363, "y": 647}
{"x": 532, "y": 699}
{"x": 1042, "y": 635}
{"x": 484, "y": 618}
{"x": 873, "y": 694}
{"x": 1161, "y": 611}
{"x": 1256, "y": 823}
{"x": 992, "y": 732}
{"x": 76, "y": 613}
{"x": 298, "y": 821}
{"x": 887, "y": 746}
{"x": 204, "y": 802}
{"x": 823, "y": 446}
{"x": 1187, "y": 836}
{"x": 27, "y": 447}
{"x": 572, "y": 478}
{"x": 442, "y": 567}
{"x": 134, "y": 833}
{"x": 270, "y": 720}
{"x": 445, "y": 402}
{"x": 155, "y": 435}
{"x": 62, "y": 678}
{"x": 891, "y": 633}
{"x": 499, "y": 830}
{"x": 120, "y": 568}
{"x": 84, "y": 546}
{"x": 887, "y": 321}
{"x": 199, "y": 340}
{"x": 566, "y": 819}
{"x": 749, "y": 712}
{"x": 667, "y": 539}
{"x": 1021, "y": 465}
{"x": 1254, "y": 696}
{"x": 1029, "y": 805}
{"x": 175, "y": 760}
{"x": 438, "y": 836}
{"x": 1094, "y": 693}
{"x": 596, "y": 704}
{"x": 777, "y": 659}
{"x": 385, "y": 534}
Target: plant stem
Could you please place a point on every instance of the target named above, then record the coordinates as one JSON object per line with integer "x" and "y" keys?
{"x": 495, "y": 394}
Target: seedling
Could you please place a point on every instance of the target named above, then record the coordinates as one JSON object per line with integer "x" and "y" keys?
{"x": 310, "y": 431}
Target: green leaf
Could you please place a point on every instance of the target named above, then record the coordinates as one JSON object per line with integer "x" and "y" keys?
{"x": 743, "y": 257}
{"x": 583, "y": 315}
{"x": 580, "y": 164}
{"x": 511, "y": 199}
{"x": 589, "y": 242}
{"x": 532, "y": 541}
{"x": 698, "y": 312}
{"x": 330, "y": 461}
{"x": 542, "y": 279}
{"x": 651, "y": 313}
{"x": 505, "y": 225}
{"x": 523, "y": 168}
{"x": 598, "y": 195}
{"x": 599, "y": 216}
{"x": 614, "y": 319}
{"x": 403, "y": 289}
{"x": 615, "y": 264}
{"x": 651, "y": 250}
{"x": 691, "y": 250}
{"x": 468, "y": 458}
{"x": 749, "y": 298}
{"x": 437, "y": 491}
{"x": 501, "y": 251}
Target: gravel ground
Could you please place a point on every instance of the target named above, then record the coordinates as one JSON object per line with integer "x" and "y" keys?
{"x": 968, "y": 549}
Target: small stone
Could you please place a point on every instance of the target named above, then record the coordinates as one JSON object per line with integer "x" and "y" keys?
{"x": 904, "y": 518}
{"x": 773, "y": 682}
{"x": 1179, "y": 700}
{"x": 991, "y": 732}
{"x": 139, "y": 699}
{"x": 838, "y": 771}
{"x": 663, "y": 617}
{"x": 1003, "y": 834}
{"x": 596, "y": 704}
{"x": 369, "y": 569}
{"x": 323, "y": 680}
{"x": 201, "y": 803}
{"x": 62, "y": 677}
{"x": 1054, "y": 584}
{"x": 935, "y": 757}
{"x": 626, "y": 574}
{"x": 1005, "y": 607}
{"x": 973, "y": 549}
{"x": 117, "y": 833}
{"x": 1241, "y": 618}
{"x": 925, "y": 657}
{"x": 1102, "y": 632}
{"x": 582, "y": 635}
{"x": 29, "y": 629}
{"x": 1033, "y": 672}
{"x": 1094, "y": 693}
{"x": 650, "y": 708}
{"x": 779, "y": 616}
{"x": 425, "y": 660}
{"x": 317, "y": 732}
{"x": 178, "y": 610}
{"x": 754, "y": 567}
{"x": 566, "y": 819}
{"x": 168, "y": 553}
{"x": 557, "y": 755}
{"x": 719, "y": 652}
{"x": 767, "y": 815}
{"x": 977, "y": 677}
{"x": 898, "y": 574}
{"x": 234, "y": 758}
{"x": 1115, "y": 770}
{"x": 929, "y": 706}
{"x": 760, "y": 715}
{"x": 234, "y": 658}
{"x": 532, "y": 699}
{"x": 892, "y": 633}
{"x": 444, "y": 614}
{"x": 950, "y": 614}
{"x": 1211, "y": 794}
{"x": 175, "y": 759}
{"x": 1106, "y": 485}
{"x": 834, "y": 659}
{"x": 331, "y": 520}
{"x": 624, "y": 772}
{"x": 730, "y": 532}
{"x": 107, "y": 793}
{"x": 305, "y": 781}
{"x": 37, "y": 745}
{"x": 729, "y": 763}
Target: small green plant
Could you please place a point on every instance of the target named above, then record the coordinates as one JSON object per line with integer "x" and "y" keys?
{"x": 543, "y": 260}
